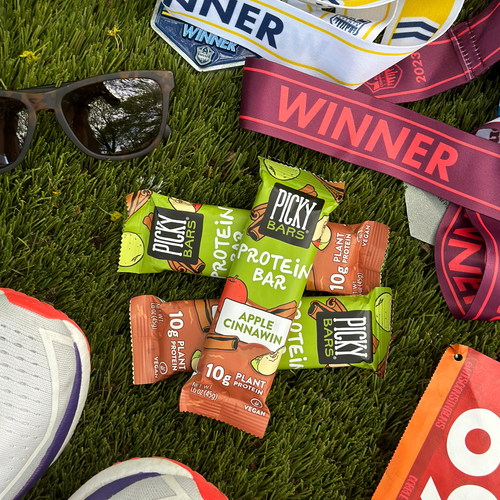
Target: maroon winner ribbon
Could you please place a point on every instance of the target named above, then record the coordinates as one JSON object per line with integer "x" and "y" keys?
{"x": 382, "y": 136}
{"x": 467, "y": 264}
{"x": 452, "y": 164}
{"x": 467, "y": 256}
{"x": 463, "y": 53}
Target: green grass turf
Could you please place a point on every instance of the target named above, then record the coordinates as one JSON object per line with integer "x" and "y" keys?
{"x": 332, "y": 433}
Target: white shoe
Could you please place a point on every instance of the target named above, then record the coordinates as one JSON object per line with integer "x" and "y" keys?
{"x": 148, "y": 479}
{"x": 44, "y": 380}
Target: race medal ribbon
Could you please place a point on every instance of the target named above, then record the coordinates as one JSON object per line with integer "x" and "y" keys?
{"x": 463, "y": 53}
{"x": 328, "y": 49}
{"x": 375, "y": 134}
{"x": 451, "y": 447}
{"x": 350, "y": 4}
{"x": 467, "y": 263}
{"x": 467, "y": 257}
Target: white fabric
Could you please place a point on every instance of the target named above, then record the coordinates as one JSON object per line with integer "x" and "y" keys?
{"x": 160, "y": 488}
{"x": 289, "y": 35}
{"x": 37, "y": 372}
{"x": 354, "y": 4}
{"x": 178, "y": 480}
{"x": 152, "y": 488}
{"x": 367, "y": 27}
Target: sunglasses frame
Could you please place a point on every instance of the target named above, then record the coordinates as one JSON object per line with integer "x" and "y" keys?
{"x": 50, "y": 97}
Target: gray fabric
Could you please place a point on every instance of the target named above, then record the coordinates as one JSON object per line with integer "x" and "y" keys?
{"x": 153, "y": 488}
{"x": 425, "y": 212}
{"x": 164, "y": 487}
{"x": 190, "y": 488}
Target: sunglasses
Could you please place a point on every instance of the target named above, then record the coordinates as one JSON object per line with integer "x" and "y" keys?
{"x": 118, "y": 116}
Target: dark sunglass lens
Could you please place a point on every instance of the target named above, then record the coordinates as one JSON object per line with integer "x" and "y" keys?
{"x": 13, "y": 129}
{"x": 115, "y": 117}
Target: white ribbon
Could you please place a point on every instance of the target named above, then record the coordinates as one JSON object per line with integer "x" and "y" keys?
{"x": 337, "y": 49}
{"x": 350, "y": 4}
{"x": 373, "y": 21}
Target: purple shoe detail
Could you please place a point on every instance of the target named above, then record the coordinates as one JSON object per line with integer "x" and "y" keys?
{"x": 62, "y": 431}
{"x": 113, "y": 488}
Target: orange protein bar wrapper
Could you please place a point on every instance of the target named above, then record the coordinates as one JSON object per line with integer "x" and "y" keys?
{"x": 351, "y": 261}
{"x": 260, "y": 297}
{"x": 451, "y": 447}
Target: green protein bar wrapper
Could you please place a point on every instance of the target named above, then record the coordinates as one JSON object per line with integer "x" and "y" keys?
{"x": 349, "y": 260}
{"x": 327, "y": 332}
{"x": 260, "y": 296}
{"x": 164, "y": 233}
{"x": 346, "y": 330}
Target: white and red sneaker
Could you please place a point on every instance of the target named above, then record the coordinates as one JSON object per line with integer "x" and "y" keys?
{"x": 44, "y": 380}
{"x": 148, "y": 479}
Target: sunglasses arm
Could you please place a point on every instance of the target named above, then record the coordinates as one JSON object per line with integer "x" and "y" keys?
{"x": 45, "y": 88}
{"x": 167, "y": 132}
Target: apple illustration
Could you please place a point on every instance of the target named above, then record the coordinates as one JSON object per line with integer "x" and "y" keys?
{"x": 383, "y": 311}
{"x": 195, "y": 358}
{"x": 184, "y": 206}
{"x": 326, "y": 236}
{"x": 132, "y": 249}
{"x": 281, "y": 171}
{"x": 320, "y": 226}
{"x": 267, "y": 364}
{"x": 319, "y": 233}
{"x": 234, "y": 289}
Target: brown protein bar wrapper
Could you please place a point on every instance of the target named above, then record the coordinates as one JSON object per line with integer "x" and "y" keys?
{"x": 260, "y": 297}
{"x": 351, "y": 259}
{"x": 160, "y": 346}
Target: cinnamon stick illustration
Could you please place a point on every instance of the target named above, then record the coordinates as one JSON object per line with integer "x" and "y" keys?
{"x": 204, "y": 314}
{"x": 136, "y": 200}
{"x": 256, "y": 215}
{"x": 184, "y": 268}
{"x": 221, "y": 342}
{"x": 332, "y": 305}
